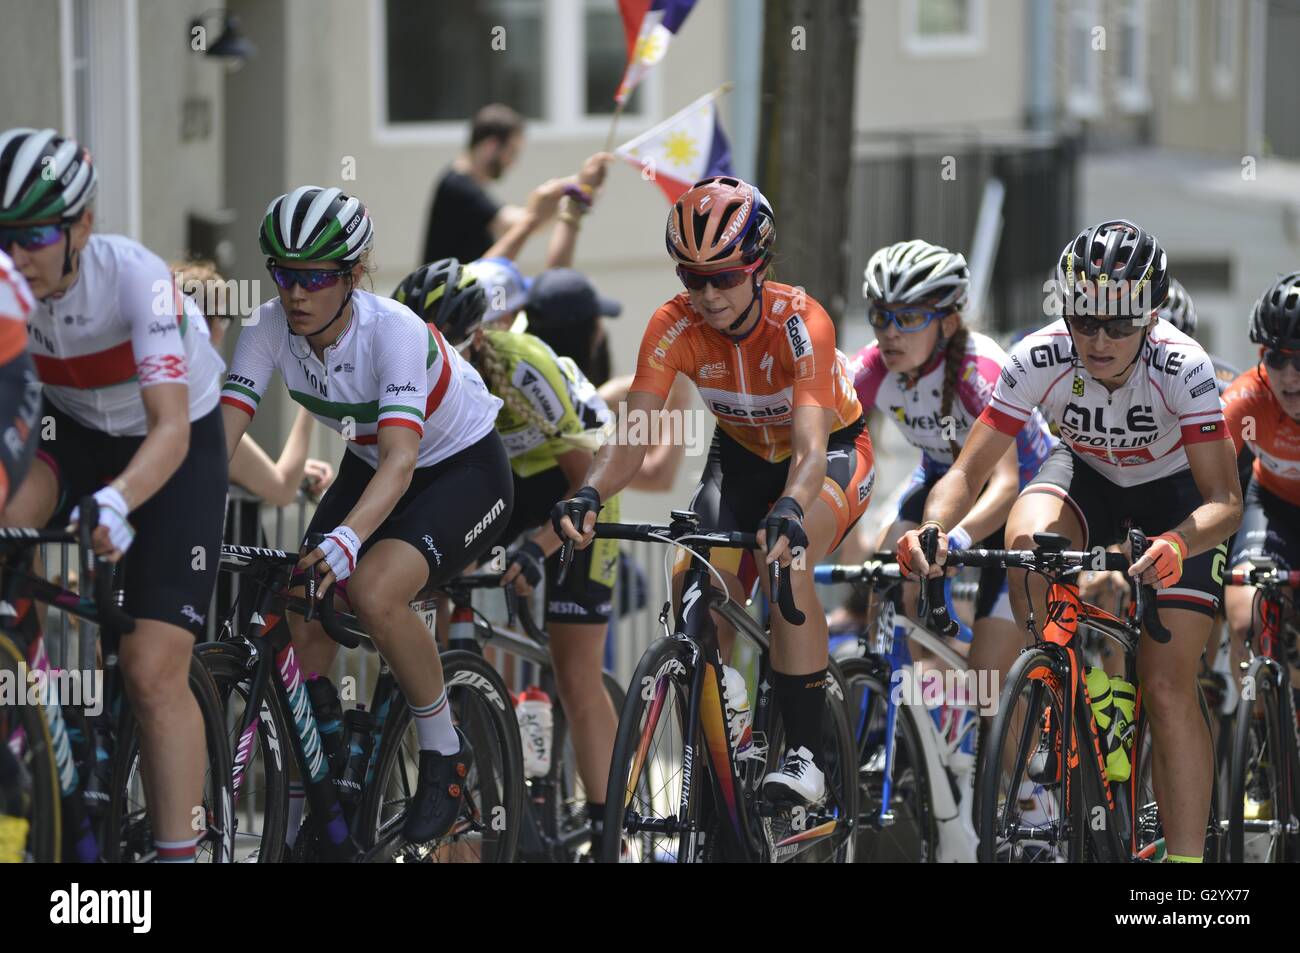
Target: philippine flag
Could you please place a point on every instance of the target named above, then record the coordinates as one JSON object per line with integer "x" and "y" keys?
{"x": 683, "y": 149}
{"x": 649, "y": 26}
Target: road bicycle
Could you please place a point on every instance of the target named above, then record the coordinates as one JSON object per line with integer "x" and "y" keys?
{"x": 1263, "y": 810}
{"x": 916, "y": 774}
{"x": 357, "y": 787}
{"x": 677, "y": 793}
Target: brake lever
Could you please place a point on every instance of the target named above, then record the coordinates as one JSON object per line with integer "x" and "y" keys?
{"x": 1145, "y": 596}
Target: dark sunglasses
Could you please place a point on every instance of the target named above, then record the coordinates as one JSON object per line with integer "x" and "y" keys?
{"x": 907, "y": 320}
{"x": 30, "y": 237}
{"x": 731, "y": 278}
{"x": 311, "y": 279}
{"x": 1115, "y": 328}
{"x": 1276, "y": 360}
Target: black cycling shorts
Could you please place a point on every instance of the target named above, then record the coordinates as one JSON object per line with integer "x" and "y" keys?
{"x": 1270, "y": 529}
{"x": 991, "y": 597}
{"x": 587, "y": 594}
{"x": 449, "y": 513}
{"x": 169, "y": 571}
{"x": 1107, "y": 512}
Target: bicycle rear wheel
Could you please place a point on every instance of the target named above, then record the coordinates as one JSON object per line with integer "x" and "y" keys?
{"x": 648, "y": 770}
{"x": 30, "y": 807}
{"x": 911, "y": 835}
{"x": 1022, "y": 775}
{"x": 491, "y": 818}
{"x": 128, "y": 833}
{"x": 1261, "y": 814}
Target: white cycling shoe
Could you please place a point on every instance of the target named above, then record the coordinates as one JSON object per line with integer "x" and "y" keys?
{"x": 798, "y": 780}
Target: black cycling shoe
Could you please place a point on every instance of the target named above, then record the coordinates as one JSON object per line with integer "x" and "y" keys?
{"x": 439, "y": 792}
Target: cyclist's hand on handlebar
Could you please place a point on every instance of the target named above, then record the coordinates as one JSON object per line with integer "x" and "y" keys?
{"x": 114, "y": 534}
{"x": 337, "y": 555}
{"x": 782, "y": 535}
{"x": 1161, "y": 565}
{"x": 525, "y": 569}
{"x": 582, "y": 509}
{"x": 911, "y": 555}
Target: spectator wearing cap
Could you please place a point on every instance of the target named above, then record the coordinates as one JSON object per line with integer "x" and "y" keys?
{"x": 564, "y": 310}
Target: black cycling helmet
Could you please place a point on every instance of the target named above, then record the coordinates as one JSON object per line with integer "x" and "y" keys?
{"x": 1109, "y": 253}
{"x": 1178, "y": 308}
{"x": 447, "y": 295}
{"x": 1275, "y": 322}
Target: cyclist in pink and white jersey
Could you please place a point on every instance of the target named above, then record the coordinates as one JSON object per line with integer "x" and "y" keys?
{"x": 1143, "y": 443}
{"x": 933, "y": 377}
{"x": 130, "y": 415}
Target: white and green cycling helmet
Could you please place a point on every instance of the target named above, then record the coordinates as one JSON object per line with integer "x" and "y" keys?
{"x": 315, "y": 224}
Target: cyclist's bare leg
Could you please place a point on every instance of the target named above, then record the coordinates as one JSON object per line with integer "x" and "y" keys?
{"x": 388, "y": 577}
{"x": 34, "y": 502}
{"x": 577, "y": 655}
{"x": 1180, "y": 740}
{"x": 155, "y": 663}
{"x": 1238, "y": 605}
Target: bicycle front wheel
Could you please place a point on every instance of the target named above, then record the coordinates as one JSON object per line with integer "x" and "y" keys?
{"x": 1023, "y": 778}
{"x": 649, "y": 772}
{"x": 910, "y": 835}
{"x": 30, "y": 810}
{"x": 1261, "y": 819}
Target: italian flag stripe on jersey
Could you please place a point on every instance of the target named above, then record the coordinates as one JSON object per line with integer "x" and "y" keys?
{"x": 88, "y": 371}
{"x": 437, "y": 349}
{"x": 237, "y": 395}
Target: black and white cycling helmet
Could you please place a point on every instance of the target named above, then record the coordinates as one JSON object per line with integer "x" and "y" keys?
{"x": 914, "y": 272}
{"x": 447, "y": 295}
{"x": 1275, "y": 322}
{"x": 1114, "y": 254}
{"x": 43, "y": 176}
{"x": 315, "y": 224}
{"x": 1178, "y": 308}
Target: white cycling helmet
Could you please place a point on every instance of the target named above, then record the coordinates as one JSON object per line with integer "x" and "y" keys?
{"x": 916, "y": 271}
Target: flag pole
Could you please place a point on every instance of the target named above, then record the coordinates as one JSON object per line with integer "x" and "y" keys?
{"x": 649, "y": 133}
{"x": 613, "y": 124}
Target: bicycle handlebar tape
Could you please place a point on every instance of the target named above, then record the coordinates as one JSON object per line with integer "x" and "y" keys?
{"x": 931, "y": 603}
{"x": 1146, "y": 595}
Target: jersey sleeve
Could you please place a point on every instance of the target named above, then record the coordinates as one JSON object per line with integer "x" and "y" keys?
{"x": 812, "y": 351}
{"x": 976, "y": 381}
{"x": 663, "y": 353}
{"x": 15, "y": 303}
{"x": 253, "y": 364}
{"x": 1196, "y": 401}
{"x": 402, "y": 356}
{"x": 869, "y": 373}
{"x": 1238, "y": 403}
{"x": 1011, "y": 404}
{"x": 150, "y": 300}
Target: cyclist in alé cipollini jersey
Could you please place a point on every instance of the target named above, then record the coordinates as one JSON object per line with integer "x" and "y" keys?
{"x": 1143, "y": 443}
{"x": 422, "y": 488}
{"x": 551, "y": 421}
{"x": 791, "y": 445}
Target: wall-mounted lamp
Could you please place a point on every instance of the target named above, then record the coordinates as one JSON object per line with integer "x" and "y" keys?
{"x": 232, "y": 48}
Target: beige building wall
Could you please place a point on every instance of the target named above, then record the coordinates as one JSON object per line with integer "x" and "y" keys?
{"x": 30, "y": 65}
{"x": 901, "y": 86}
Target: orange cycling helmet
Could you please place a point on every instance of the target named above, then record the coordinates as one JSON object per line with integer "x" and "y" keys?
{"x": 720, "y": 222}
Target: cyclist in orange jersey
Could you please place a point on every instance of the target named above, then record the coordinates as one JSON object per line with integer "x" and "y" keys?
{"x": 1262, "y": 408}
{"x": 791, "y": 447}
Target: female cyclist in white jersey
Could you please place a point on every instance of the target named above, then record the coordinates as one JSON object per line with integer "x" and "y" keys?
{"x": 1143, "y": 443}
{"x": 424, "y": 486}
{"x": 130, "y": 414}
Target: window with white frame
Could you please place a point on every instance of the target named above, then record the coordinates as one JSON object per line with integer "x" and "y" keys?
{"x": 1183, "y": 74}
{"x": 1131, "y": 92}
{"x": 943, "y": 27}
{"x": 1226, "y": 39}
{"x": 1084, "y": 57}
{"x": 557, "y": 63}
